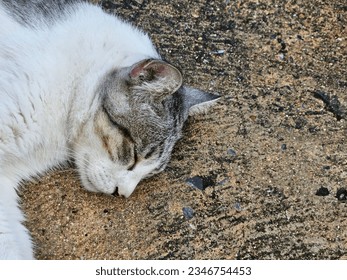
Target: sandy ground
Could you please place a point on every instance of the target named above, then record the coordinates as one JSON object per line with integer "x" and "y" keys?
{"x": 271, "y": 157}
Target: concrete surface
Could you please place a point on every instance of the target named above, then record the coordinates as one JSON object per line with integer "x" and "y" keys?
{"x": 271, "y": 157}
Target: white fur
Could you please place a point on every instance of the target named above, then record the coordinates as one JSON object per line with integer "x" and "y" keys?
{"x": 48, "y": 78}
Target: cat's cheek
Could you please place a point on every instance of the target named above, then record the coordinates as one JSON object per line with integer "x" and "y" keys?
{"x": 87, "y": 185}
{"x": 100, "y": 180}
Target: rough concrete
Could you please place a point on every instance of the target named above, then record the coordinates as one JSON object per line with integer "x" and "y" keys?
{"x": 264, "y": 152}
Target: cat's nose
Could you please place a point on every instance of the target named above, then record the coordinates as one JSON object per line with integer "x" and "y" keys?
{"x": 127, "y": 188}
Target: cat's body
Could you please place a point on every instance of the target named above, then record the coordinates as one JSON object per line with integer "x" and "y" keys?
{"x": 78, "y": 83}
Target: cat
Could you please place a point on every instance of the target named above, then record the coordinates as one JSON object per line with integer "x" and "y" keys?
{"x": 78, "y": 83}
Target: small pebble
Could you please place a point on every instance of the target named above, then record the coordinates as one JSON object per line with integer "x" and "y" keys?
{"x": 225, "y": 180}
{"x": 322, "y": 191}
{"x": 192, "y": 226}
{"x": 195, "y": 14}
{"x": 284, "y": 147}
{"x": 341, "y": 194}
{"x": 219, "y": 52}
{"x": 188, "y": 212}
{"x": 231, "y": 152}
{"x": 237, "y": 206}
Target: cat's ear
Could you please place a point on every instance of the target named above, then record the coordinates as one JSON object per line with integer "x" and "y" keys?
{"x": 156, "y": 77}
{"x": 197, "y": 101}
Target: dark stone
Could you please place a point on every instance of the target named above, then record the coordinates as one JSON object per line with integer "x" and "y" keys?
{"x": 322, "y": 191}
{"x": 273, "y": 36}
{"x": 332, "y": 104}
{"x": 341, "y": 194}
{"x": 284, "y": 147}
{"x": 201, "y": 182}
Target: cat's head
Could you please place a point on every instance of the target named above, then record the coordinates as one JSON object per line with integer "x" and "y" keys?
{"x": 140, "y": 117}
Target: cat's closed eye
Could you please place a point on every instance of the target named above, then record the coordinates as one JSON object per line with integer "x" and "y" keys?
{"x": 112, "y": 120}
{"x": 150, "y": 153}
{"x": 131, "y": 168}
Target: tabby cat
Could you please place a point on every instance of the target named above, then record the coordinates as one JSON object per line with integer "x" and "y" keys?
{"x": 78, "y": 83}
